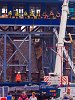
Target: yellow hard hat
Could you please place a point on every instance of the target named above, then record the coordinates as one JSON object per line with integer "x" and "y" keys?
{"x": 33, "y": 93}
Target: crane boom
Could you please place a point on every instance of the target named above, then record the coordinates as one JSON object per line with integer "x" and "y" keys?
{"x": 60, "y": 46}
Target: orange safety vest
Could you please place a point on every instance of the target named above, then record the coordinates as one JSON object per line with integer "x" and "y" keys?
{"x": 18, "y": 77}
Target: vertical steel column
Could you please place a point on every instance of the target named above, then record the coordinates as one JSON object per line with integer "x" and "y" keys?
{"x": 42, "y": 54}
{"x": 4, "y": 63}
{"x": 54, "y": 48}
{"x": 30, "y": 67}
{"x": 71, "y": 56}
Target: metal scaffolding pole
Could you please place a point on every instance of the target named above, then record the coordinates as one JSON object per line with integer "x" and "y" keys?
{"x": 4, "y": 67}
{"x": 42, "y": 54}
{"x": 30, "y": 67}
{"x": 54, "y": 48}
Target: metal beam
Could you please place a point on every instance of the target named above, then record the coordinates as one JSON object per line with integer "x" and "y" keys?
{"x": 30, "y": 67}
{"x": 14, "y": 65}
{"x": 16, "y": 33}
{"x": 1, "y": 28}
{"x": 4, "y": 64}
{"x": 54, "y": 47}
{"x": 17, "y": 49}
{"x": 23, "y": 28}
{"x": 17, "y": 29}
{"x": 36, "y": 22}
{"x": 33, "y": 30}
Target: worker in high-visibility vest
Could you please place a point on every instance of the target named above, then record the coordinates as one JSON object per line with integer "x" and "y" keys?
{"x": 10, "y": 14}
{"x": 18, "y": 77}
{"x": 16, "y": 14}
{"x": 31, "y": 14}
{"x": 25, "y": 14}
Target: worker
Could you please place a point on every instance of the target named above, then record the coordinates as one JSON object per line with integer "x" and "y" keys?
{"x": 38, "y": 14}
{"x": 23, "y": 96}
{"x": 5, "y": 15}
{"x": 33, "y": 97}
{"x": 10, "y": 14}
{"x": 58, "y": 15}
{"x": 16, "y": 14}
{"x": 31, "y": 14}
{"x": 13, "y": 97}
{"x": 44, "y": 15}
{"x": 9, "y": 96}
{"x": 25, "y": 14}
{"x": 67, "y": 95}
{"x": 18, "y": 77}
{"x": 51, "y": 15}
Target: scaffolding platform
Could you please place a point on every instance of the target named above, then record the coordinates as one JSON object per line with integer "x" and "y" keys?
{"x": 37, "y": 22}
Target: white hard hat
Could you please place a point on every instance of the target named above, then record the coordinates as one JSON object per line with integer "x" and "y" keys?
{"x": 18, "y": 72}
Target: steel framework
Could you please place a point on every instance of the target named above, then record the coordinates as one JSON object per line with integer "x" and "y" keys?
{"x": 25, "y": 33}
